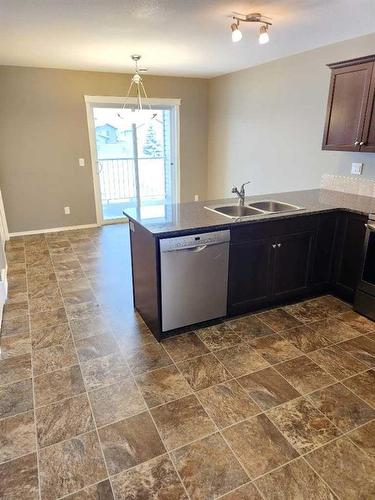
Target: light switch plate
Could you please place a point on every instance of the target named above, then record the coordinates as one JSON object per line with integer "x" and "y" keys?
{"x": 357, "y": 168}
{"x": 81, "y": 162}
{"x": 67, "y": 210}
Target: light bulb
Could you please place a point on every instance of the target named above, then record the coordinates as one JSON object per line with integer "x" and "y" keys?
{"x": 263, "y": 35}
{"x": 236, "y": 33}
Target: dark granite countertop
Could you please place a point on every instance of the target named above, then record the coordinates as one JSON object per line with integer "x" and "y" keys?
{"x": 182, "y": 217}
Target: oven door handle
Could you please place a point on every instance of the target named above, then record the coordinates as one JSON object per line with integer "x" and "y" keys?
{"x": 370, "y": 227}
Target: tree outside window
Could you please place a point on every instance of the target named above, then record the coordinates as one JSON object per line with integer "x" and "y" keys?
{"x": 152, "y": 146}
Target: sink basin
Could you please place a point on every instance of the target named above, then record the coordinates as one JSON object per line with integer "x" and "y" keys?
{"x": 235, "y": 211}
{"x": 272, "y": 206}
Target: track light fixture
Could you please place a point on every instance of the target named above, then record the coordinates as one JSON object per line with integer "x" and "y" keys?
{"x": 251, "y": 18}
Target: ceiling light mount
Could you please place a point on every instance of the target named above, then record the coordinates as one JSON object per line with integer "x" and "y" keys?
{"x": 254, "y": 17}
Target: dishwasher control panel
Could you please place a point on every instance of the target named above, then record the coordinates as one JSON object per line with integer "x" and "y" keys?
{"x": 194, "y": 240}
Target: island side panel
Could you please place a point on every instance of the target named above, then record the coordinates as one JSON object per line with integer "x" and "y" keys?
{"x": 145, "y": 272}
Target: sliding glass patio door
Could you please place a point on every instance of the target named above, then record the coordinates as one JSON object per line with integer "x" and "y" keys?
{"x": 135, "y": 154}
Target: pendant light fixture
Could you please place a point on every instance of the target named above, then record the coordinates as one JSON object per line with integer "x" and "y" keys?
{"x": 136, "y": 85}
{"x": 255, "y": 17}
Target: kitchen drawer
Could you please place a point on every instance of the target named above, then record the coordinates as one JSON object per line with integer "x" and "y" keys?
{"x": 267, "y": 228}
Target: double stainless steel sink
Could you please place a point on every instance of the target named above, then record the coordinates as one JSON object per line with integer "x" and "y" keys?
{"x": 255, "y": 208}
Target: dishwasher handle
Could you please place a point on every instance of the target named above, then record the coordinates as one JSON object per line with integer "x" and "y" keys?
{"x": 197, "y": 249}
{"x": 194, "y": 243}
{"x": 194, "y": 249}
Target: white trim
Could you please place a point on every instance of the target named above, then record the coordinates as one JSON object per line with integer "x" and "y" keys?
{"x": 111, "y": 101}
{"x": 152, "y": 101}
{"x": 94, "y": 163}
{"x": 53, "y": 230}
{"x": 176, "y": 152}
{"x": 3, "y": 220}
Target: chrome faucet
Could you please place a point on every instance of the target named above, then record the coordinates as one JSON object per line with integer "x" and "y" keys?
{"x": 240, "y": 193}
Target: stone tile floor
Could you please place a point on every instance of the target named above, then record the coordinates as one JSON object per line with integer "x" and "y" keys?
{"x": 274, "y": 405}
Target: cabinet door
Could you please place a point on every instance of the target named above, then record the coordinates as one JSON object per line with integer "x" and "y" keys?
{"x": 349, "y": 250}
{"x": 347, "y": 101}
{"x": 249, "y": 275}
{"x": 292, "y": 263}
{"x": 324, "y": 250}
{"x": 368, "y": 136}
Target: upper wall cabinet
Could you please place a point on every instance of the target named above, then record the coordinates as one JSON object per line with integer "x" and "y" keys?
{"x": 350, "y": 121}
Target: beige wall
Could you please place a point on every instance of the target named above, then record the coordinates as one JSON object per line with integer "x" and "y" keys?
{"x": 43, "y": 132}
{"x": 262, "y": 124}
{"x": 266, "y": 124}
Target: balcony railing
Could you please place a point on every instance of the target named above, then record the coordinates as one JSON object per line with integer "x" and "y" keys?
{"x": 118, "y": 179}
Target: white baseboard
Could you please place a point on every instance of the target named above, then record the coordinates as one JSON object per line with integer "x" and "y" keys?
{"x": 53, "y": 230}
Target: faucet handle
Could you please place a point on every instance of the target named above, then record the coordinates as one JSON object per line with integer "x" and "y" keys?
{"x": 234, "y": 189}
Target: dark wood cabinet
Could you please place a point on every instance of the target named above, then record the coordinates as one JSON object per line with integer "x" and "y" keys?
{"x": 350, "y": 120}
{"x": 269, "y": 263}
{"x": 369, "y": 126}
{"x": 349, "y": 248}
{"x": 322, "y": 272}
{"x": 292, "y": 262}
{"x": 249, "y": 272}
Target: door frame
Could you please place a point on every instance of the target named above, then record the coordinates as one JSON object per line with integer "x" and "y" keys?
{"x": 112, "y": 101}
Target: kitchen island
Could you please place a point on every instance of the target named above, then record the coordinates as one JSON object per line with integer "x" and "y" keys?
{"x": 274, "y": 258}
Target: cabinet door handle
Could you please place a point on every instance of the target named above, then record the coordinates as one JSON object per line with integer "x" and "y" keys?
{"x": 362, "y": 143}
{"x": 279, "y": 245}
{"x": 356, "y": 143}
{"x": 274, "y": 245}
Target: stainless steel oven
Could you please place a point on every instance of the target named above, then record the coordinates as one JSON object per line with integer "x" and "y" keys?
{"x": 364, "y": 301}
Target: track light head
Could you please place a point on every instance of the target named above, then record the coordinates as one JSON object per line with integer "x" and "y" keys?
{"x": 263, "y": 35}
{"x": 236, "y": 33}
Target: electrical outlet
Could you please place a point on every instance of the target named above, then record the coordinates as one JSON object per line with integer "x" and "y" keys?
{"x": 196, "y": 197}
{"x": 67, "y": 210}
{"x": 81, "y": 162}
{"x": 357, "y": 168}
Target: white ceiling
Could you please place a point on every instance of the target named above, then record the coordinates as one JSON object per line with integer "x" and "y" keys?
{"x": 175, "y": 37}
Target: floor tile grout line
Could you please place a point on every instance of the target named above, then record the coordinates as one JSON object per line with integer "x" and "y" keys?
{"x": 335, "y": 426}
{"x": 18, "y": 456}
{"x": 332, "y": 375}
{"x": 86, "y": 392}
{"x": 83, "y": 489}
{"x": 303, "y": 458}
{"x": 219, "y": 361}
{"x": 154, "y": 423}
{"x": 371, "y": 405}
{"x": 218, "y": 430}
{"x": 193, "y": 391}
{"x": 342, "y": 433}
{"x": 307, "y": 323}
{"x": 345, "y": 435}
{"x": 125, "y": 377}
{"x": 16, "y": 414}
{"x": 146, "y": 409}
{"x": 242, "y": 486}
{"x": 34, "y": 401}
{"x": 305, "y": 396}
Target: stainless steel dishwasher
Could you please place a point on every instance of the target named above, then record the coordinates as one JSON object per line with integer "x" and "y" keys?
{"x": 194, "y": 278}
